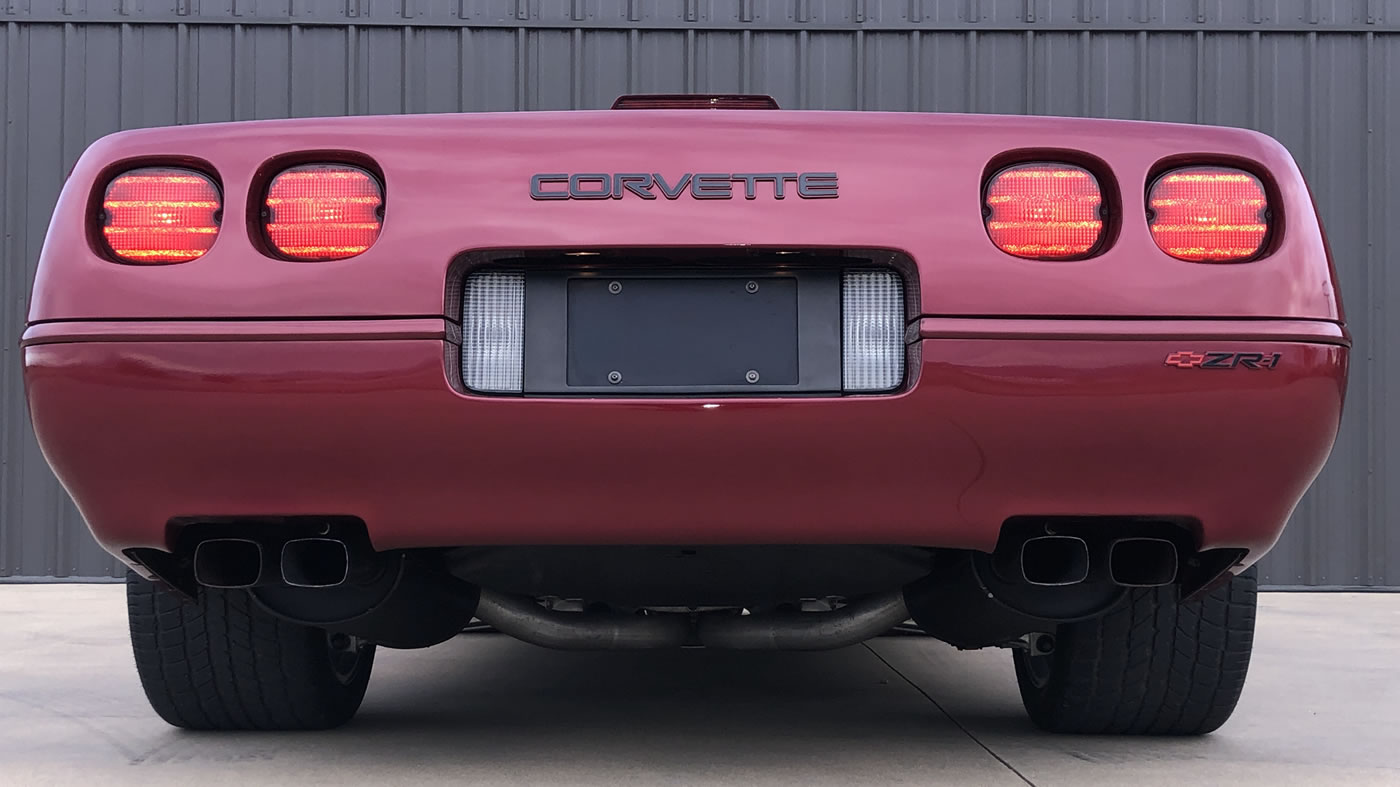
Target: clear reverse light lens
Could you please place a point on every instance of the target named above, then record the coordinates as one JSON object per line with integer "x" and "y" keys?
{"x": 493, "y": 332}
{"x": 872, "y": 331}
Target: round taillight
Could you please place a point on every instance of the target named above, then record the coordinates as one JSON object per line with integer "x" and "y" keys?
{"x": 160, "y": 215}
{"x": 1208, "y": 214}
{"x": 323, "y": 211}
{"x": 1044, "y": 211}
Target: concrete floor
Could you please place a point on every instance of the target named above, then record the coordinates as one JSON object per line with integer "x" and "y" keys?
{"x": 1322, "y": 707}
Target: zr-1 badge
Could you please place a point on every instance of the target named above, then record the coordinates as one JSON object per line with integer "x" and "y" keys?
{"x": 1187, "y": 359}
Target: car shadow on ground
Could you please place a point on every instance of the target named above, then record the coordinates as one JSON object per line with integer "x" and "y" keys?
{"x": 496, "y": 681}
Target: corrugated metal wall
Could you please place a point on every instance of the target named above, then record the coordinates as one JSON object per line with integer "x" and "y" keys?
{"x": 1323, "y": 76}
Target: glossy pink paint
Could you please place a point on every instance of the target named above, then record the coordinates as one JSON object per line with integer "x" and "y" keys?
{"x": 141, "y": 432}
{"x": 459, "y": 182}
{"x": 239, "y": 384}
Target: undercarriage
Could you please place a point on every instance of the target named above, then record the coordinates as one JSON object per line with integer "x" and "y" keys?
{"x": 1044, "y": 572}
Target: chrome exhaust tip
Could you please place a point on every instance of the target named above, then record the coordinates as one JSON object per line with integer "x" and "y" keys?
{"x": 228, "y": 563}
{"x": 1051, "y": 561}
{"x": 315, "y": 562}
{"x": 1142, "y": 562}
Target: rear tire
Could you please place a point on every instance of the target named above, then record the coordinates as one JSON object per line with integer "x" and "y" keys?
{"x": 1150, "y": 666}
{"x": 223, "y": 663}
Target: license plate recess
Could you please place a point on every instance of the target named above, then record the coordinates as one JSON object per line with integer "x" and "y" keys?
{"x": 682, "y": 333}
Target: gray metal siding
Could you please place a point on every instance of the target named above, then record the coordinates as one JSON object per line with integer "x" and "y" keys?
{"x": 1323, "y": 76}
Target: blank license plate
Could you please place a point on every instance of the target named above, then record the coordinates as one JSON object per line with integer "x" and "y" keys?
{"x": 625, "y": 332}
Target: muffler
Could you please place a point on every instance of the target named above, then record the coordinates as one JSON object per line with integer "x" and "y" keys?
{"x": 852, "y": 624}
{"x": 228, "y": 563}
{"x": 399, "y": 600}
{"x": 521, "y": 617}
{"x": 1142, "y": 562}
{"x": 1054, "y": 560}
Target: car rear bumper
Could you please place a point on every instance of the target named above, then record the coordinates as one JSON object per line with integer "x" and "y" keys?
{"x": 153, "y": 422}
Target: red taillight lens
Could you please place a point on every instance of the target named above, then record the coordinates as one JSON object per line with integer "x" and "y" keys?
{"x": 323, "y": 211}
{"x": 158, "y": 215}
{"x": 1045, "y": 211}
{"x": 1208, "y": 214}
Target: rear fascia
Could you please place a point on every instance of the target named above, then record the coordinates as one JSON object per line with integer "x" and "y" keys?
{"x": 385, "y": 425}
{"x": 382, "y": 437}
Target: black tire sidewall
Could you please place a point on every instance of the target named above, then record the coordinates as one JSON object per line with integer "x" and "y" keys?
{"x": 221, "y": 662}
{"x": 1151, "y": 665}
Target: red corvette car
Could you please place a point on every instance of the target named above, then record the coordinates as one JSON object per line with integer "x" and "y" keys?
{"x": 689, "y": 372}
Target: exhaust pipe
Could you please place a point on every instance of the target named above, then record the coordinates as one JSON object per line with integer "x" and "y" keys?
{"x": 522, "y": 618}
{"x": 1054, "y": 560}
{"x": 315, "y": 562}
{"x": 228, "y": 563}
{"x": 852, "y": 624}
{"x": 1142, "y": 562}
